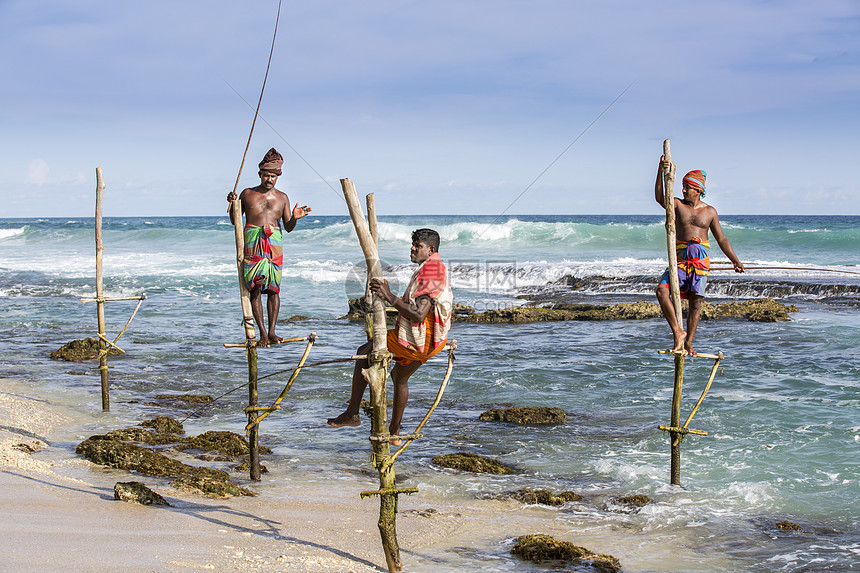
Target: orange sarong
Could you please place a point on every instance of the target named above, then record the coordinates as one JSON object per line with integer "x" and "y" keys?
{"x": 404, "y": 356}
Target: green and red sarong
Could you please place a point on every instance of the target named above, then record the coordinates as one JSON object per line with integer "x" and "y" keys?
{"x": 264, "y": 256}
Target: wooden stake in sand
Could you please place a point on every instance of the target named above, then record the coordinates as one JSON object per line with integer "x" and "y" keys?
{"x": 376, "y": 375}
{"x": 100, "y": 297}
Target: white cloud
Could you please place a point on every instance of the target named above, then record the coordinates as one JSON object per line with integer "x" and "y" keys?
{"x": 38, "y": 172}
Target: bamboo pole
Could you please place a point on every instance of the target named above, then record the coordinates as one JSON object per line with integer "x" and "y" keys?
{"x": 376, "y": 374}
{"x": 100, "y": 304}
{"x": 674, "y": 288}
{"x": 250, "y": 338}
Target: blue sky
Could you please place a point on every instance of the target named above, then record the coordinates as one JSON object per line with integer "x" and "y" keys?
{"x": 436, "y": 107}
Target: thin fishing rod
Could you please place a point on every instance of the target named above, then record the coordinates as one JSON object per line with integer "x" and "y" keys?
{"x": 260, "y": 101}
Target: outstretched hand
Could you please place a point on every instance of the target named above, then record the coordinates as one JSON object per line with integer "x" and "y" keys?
{"x": 739, "y": 267}
{"x": 299, "y": 212}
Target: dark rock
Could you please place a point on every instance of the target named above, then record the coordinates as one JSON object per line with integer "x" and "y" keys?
{"x": 528, "y": 415}
{"x": 136, "y": 492}
{"x": 143, "y": 436}
{"x": 636, "y": 500}
{"x": 788, "y": 525}
{"x": 472, "y": 463}
{"x": 227, "y": 443}
{"x": 542, "y": 547}
{"x": 540, "y": 496}
{"x": 114, "y": 453}
{"x": 164, "y": 424}
{"x": 80, "y": 350}
{"x": 186, "y": 398}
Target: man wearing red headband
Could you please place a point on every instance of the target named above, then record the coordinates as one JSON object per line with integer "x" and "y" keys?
{"x": 693, "y": 219}
{"x": 265, "y": 208}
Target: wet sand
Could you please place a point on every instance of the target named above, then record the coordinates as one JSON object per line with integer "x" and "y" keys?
{"x": 52, "y": 520}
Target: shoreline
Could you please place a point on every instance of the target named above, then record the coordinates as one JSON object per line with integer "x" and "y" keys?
{"x": 78, "y": 526}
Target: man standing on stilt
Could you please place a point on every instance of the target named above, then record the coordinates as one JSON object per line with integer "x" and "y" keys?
{"x": 265, "y": 208}
{"x": 693, "y": 219}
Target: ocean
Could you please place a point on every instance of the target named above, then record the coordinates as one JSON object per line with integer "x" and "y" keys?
{"x": 782, "y": 416}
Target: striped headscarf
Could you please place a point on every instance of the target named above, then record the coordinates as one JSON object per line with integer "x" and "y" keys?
{"x": 696, "y": 180}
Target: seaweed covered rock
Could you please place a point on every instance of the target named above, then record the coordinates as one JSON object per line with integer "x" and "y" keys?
{"x": 81, "y": 350}
{"x": 759, "y": 310}
{"x": 226, "y": 443}
{"x": 788, "y": 525}
{"x": 164, "y": 425}
{"x": 136, "y": 492}
{"x": 636, "y": 500}
{"x": 528, "y": 415}
{"x": 142, "y": 436}
{"x": 180, "y": 400}
{"x": 472, "y": 463}
{"x": 541, "y": 547}
{"x": 540, "y": 496}
{"x": 120, "y": 454}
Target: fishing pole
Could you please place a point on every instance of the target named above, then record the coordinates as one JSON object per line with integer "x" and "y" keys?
{"x": 259, "y": 101}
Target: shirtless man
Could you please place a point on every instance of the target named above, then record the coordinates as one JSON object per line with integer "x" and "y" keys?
{"x": 693, "y": 219}
{"x": 420, "y": 332}
{"x": 265, "y": 208}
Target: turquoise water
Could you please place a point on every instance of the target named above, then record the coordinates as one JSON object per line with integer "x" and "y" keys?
{"x": 782, "y": 416}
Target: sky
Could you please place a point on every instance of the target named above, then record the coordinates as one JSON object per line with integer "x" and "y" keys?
{"x": 444, "y": 107}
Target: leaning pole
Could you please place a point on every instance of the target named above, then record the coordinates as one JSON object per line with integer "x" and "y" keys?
{"x": 674, "y": 289}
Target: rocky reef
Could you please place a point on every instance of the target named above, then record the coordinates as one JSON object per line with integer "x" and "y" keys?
{"x": 545, "y": 548}
{"x": 526, "y": 416}
{"x": 757, "y": 310}
{"x": 472, "y": 463}
{"x": 81, "y": 350}
{"x": 134, "y": 449}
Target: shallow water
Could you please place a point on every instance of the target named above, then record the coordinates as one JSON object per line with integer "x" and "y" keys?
{"x": 781, "y": 417}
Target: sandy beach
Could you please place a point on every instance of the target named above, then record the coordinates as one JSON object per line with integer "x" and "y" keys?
{"x": 51, "y": 522}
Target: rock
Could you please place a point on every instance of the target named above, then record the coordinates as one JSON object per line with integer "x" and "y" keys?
{"x": 80, "y": 350}
{"x": 636, "y": 500}
{"x": 540, "y": 496}
{"x": 164, "y": 424}
{"x": 115, "y": 453}
{"x": 472, "y": 463}
{"x": 136, "y": 492}
{"x": 760, "y": 310}
{"x": 788, "y": 525}
{"x": 528, "y": 415}
{"x": 143, "y": 436}
{"x": 180, "y": 401}
{"x": 542, "y": 547}
{"x": 227, "y": 443}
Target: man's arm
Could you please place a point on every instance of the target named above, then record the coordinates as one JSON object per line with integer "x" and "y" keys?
{"x": 724, "y": 243}
{"x": 416, "y": 311}
{"x": 290, "y": 218}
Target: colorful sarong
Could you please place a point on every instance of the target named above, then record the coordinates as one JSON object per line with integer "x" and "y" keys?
{"x": 430, "y": 279}
{"x": 264, "y": 256}
{"x": 694, "y": 262}
{"x": 404, "y": 355}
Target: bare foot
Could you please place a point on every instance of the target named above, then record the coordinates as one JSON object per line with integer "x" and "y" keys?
{"x": 395, "y": 442}
{"x": 344, "y": 420}
{"x": 264, "y": 342}
{"x": 680, "y": 336}
{"x": 275, "y": 339}
{"x": 690, "y": 351}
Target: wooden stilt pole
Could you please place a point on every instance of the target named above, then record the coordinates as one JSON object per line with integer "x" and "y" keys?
{"x": 674, "y": 288}
{"x": 376, "y": 375}
{"x": 250, "y": 338}
{"x": 100, "y": 303}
